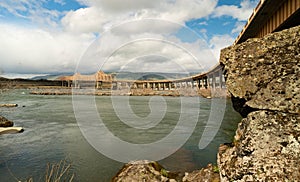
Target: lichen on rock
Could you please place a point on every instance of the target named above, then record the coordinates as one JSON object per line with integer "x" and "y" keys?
{"x": 266, "y": 147}
{"x": 262, "y": 74}
{"x": 265, "y": 72}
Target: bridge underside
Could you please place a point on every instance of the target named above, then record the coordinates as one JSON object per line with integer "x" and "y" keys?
{"x": 292, "y": 21}
{"x": 271, "y": 16}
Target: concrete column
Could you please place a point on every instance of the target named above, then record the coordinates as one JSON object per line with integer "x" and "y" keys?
{"x": 206, "y": 84}
{"x": 214, "y": 80}
{"x": 170, "y": 85}
{"x": 158, "y": 86}
{"x": 220, "y": 78}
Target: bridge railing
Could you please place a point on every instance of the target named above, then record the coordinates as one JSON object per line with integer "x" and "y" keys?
{"x": 255, "y": 10}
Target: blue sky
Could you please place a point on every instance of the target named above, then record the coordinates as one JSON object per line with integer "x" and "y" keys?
{"x": 52, "y": 36}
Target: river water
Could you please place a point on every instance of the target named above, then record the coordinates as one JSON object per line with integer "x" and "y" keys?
{"x": 52, "y": 134}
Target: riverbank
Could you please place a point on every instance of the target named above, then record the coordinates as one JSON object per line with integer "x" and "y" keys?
{"x": 188, "y": 92}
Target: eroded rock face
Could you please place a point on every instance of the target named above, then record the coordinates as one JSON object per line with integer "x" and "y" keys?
{"x": 266, "y": 148}
{"x": 208, "y": 174}
{"x": 263, "y": 77}
{"x": 266, "y": 72}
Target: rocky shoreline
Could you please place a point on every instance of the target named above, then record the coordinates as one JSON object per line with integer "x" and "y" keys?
{"x": 263, "y": 77}
{"x": 206, "y": 93}
{"x": 152, "y": 171}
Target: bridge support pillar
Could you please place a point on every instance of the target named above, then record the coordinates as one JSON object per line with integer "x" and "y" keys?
{"x": 221, "y": 78}
{"x": 214, "y": 81}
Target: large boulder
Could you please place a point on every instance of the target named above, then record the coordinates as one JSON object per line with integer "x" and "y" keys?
{"x": 144, "y": 170}
{"x": 266, "y": 148}
{"x": 151, "y": 171}
{"x": 262, "y": 74}
{"x": 265, "y": 73}
{"x": 5, "y": 122}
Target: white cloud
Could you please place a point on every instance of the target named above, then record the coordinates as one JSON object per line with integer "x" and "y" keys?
{"x": 61, "y": 2}
{"x": 219, "y": 42}
{"x": 138, "y": 51}
{"x": 113, "y": 12}
{"x": 33, "y": 10}
{"x": 238, "y": 27}
{"x": 146, "y": 44}
{"x": 84, "y": 20}
{"x": 241, "y": 13}
{"x": 38, "y": 51}
{"x": 121, "y": 6}
{"x": 203, "y": 23}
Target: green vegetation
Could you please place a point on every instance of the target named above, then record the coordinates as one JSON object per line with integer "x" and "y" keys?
{"x": 216, "y": 169}
{"x": 164, "y": 172}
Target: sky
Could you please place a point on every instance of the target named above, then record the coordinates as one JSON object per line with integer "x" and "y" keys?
{"x": 66, "y": 36}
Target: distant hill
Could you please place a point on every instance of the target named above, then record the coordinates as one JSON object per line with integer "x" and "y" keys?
{"x": 148, "y": 76}
{"x": 124, "y": 75}
{"x": 50, "y": 76}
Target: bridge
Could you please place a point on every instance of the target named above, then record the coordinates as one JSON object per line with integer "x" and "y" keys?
{"x": 269, "y": 16}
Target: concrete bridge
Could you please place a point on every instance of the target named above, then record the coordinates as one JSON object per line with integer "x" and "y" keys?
{"x": 211, "y": 79}
{"x": 268, "y": 16}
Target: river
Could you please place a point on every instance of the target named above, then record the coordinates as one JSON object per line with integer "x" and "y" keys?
{"x": 52, "y": 134}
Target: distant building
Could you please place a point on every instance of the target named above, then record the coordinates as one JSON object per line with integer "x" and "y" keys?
{"x": 96, "y": 80}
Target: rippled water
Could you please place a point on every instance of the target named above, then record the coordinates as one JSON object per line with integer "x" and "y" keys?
{"x": 52, "y": 134}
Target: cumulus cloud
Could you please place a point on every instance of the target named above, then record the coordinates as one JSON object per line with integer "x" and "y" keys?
{"x": 106, "y": 13}
{"x": 241, "y": 12}
{"x": 141, "y": 35}
{"x": 39, "y": 51}
{"x": 219, "y": 42}
{"x": 84, "y": 20}
{"x": 124, "y": 48}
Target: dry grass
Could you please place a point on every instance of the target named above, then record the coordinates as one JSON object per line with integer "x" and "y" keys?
{"x": 57, "y": 172}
